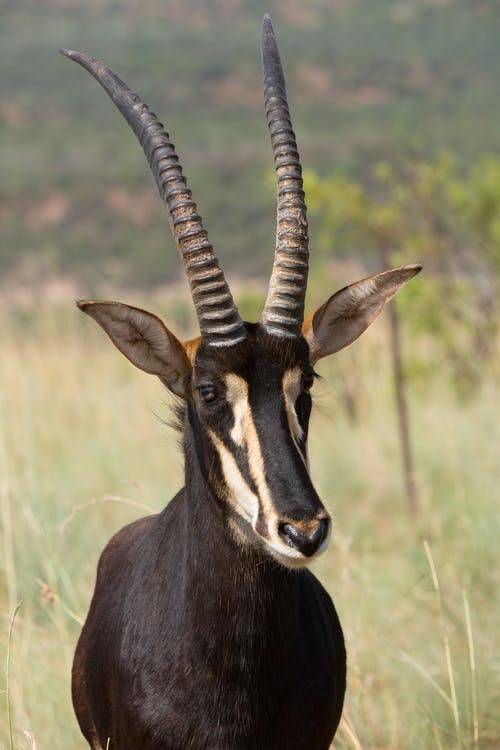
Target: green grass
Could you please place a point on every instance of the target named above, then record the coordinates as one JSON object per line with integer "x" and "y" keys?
{"x": 82, "y": 453}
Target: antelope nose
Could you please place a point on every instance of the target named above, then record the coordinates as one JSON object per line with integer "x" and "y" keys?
{"x": 306, "y": 543}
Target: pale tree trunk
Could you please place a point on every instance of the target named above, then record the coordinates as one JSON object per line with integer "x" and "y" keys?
{"x": 401, "y": 402}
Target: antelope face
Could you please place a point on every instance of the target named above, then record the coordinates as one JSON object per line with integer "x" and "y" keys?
{"x": 251, "y": 405}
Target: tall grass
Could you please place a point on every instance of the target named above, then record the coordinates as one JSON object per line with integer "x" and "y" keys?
{"x": 82, "y": 452}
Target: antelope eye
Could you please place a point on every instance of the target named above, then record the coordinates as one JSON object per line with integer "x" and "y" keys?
{"x": 207, "y": 393}
{"x": 307, "y": 381}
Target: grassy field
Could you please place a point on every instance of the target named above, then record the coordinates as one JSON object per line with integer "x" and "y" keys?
{"x": 82, "y": 452}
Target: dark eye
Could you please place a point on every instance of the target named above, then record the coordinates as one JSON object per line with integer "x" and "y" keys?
{"x": 307, "y": 381}
{"x": 207, "y": 393}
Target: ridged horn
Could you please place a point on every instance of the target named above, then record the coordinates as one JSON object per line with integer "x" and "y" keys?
{"x": 284, "y": 309}
{"x": 220, "y": 323}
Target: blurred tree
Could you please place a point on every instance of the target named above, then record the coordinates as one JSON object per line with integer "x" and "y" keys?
{"x": 436, "y": 212}
{"x": 447, "y": 217}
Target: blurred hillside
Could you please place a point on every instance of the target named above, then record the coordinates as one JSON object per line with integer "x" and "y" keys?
{"x": 366, "y": 80}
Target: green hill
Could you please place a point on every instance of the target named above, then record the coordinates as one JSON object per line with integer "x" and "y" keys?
{"x": 366, "y": 80}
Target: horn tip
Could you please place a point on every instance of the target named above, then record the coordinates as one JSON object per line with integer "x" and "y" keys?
{"x": 267, "y": 27}
{"x": 68, "y": 53}
{"x": 79, "y": 57}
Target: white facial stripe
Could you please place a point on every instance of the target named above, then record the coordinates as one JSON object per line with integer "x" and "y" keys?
{"x": 237, "y": 398}
{"x": 243, "y": 433}
{"x": 244, "y": 501}
{"x": 291, "y": 383}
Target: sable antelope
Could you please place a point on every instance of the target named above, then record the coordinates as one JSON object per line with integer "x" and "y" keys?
{"x": 205, "y": 629}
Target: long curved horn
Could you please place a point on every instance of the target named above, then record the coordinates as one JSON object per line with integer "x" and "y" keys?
{"x": 284, "y": 309}
{"x": 220, "y": 323}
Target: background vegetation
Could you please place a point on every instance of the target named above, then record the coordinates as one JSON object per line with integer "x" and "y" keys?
{"x": 396, "y": 108}
{"x": 368, "y": 81}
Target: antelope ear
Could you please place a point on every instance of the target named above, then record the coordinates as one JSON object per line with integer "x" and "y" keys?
{"x": 350, "y": 311}
{"x": 144, "y": 340}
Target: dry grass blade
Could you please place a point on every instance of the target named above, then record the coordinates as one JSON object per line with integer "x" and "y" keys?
{"x": 7, "y": 529}
{"x": 437, "y": 737}
{"x": 472, "y": 666}
{"x": 63, "y": 526}
{"x": 446, "y": 643}
{"x": 31, "y": 737}
{"x": 347, "y": 728}
{"x": 7, "y": 676}
{"x": 407, "y": 659}
{"x": 48, "y": 593}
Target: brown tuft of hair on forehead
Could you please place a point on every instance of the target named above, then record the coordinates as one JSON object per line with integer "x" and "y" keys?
{"x": 192, "y": 347}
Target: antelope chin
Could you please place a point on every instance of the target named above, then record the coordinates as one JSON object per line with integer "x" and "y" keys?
{"x": 292, "y": 558}
{"x": 287, "y": 556}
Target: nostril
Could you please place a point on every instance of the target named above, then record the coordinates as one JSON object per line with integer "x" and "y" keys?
{"x": 289, "y": 534}
{"x": 307, "y": 544}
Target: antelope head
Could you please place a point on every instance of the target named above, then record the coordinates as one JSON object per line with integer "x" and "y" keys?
{"x": 246, "y": 385}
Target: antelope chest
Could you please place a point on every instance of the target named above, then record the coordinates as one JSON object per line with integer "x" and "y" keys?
{"x": 226, "y": 666}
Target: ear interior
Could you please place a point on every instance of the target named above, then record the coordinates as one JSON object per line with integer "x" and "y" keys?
{"x": 145, "y": 340}
{"x": 346, "y": 314}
